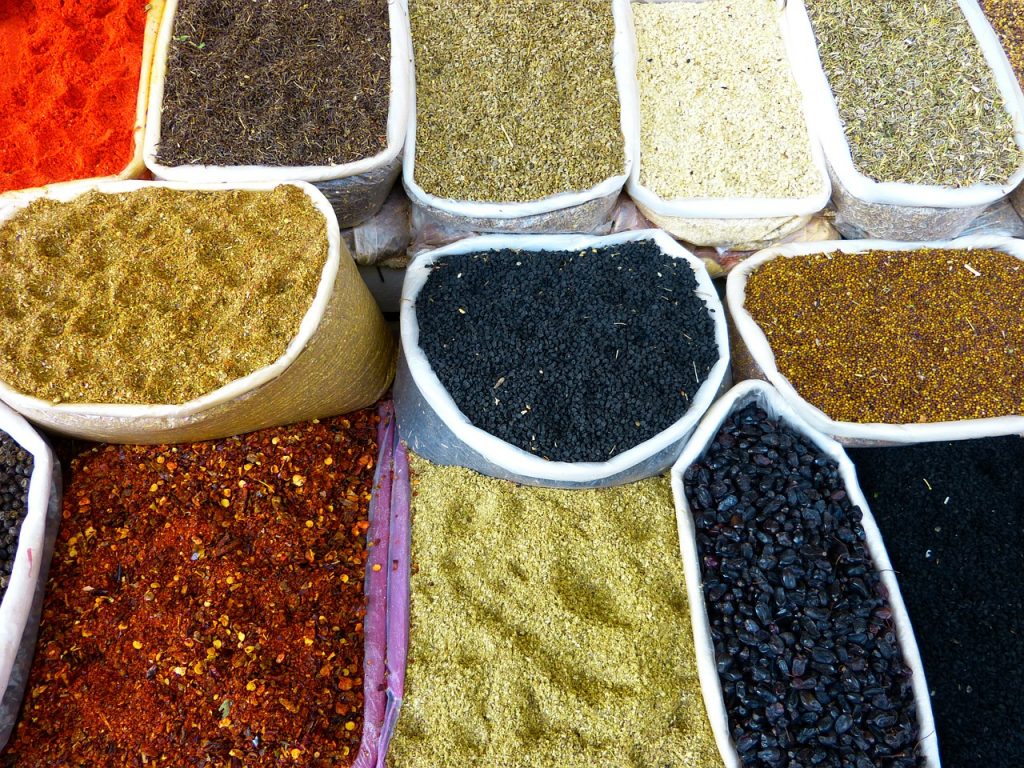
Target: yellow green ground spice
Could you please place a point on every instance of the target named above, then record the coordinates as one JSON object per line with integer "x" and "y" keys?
{"x": 548, "y": 628}
{"x": 897, "y": 336}
{"x": 515, "y": 99}
{"x": 917, "y": 99}
{"x": 1007, "y": 18}
{"x": 154, "y": 296}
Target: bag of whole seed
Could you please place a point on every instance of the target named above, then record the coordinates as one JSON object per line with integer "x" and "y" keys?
{"x": 724, "y": 154}
{"x": 135, "y": 167}
{"x": 877, "y": 342}
{"x": 558, "y": 360}
{"x": 30, "y": 488}
{"x": 917, "y": 161}
{"x": 523, "y": 114}
{"x": 288, "y": 89}
{"x": 808, "y": 569}
{"x": 154, "y": 312}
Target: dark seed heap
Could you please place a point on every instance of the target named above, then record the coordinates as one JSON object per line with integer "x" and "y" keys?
{"x": 15, "y": 471}
{"x": 277, "y": 82}
{"x": 953, "y": 519}
{"x": 572, "y": 355}
{"x": 804, "y": 638}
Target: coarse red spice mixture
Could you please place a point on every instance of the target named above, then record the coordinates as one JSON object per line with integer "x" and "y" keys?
{"x": 205, "y": 604}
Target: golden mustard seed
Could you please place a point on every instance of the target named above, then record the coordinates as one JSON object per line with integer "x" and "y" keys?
{"x": 1007, "y": 18}
{"x": 154, "y": 296}
{"x": 898, "y": 337}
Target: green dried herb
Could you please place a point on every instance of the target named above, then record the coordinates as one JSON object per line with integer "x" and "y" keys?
{"x": 516, "y": 100}
{"x": 276, "y": 83}
{"x": 155, "y": 296}
{"x": 917, "y": 99}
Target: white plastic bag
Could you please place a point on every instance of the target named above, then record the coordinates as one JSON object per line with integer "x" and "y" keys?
{"x": 22, "y": 604}
{"x": 341, "y": 359}
{"x": 711, "y": 687}
{"x": 136, "y": 167}
{"x": 432, "y": 425}
{"x": 581, "y": 211}
{"x": 358, "y": 189}
{"x": 753, "y": 356}
{"x": 742, "y": 222}
{"x": 896, "y": 210}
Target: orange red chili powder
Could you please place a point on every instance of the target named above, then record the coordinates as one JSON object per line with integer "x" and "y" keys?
{"x": 69, "y": 83}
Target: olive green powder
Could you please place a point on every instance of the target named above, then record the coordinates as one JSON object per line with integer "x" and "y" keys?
{"x": 154, "y": 296}
{"x": 548, "y": 628}
{"x": 918, "y": 101}
{"x": 516, "y": 100}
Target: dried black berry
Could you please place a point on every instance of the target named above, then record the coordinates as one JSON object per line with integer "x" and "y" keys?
{"x": 15, "y": 472}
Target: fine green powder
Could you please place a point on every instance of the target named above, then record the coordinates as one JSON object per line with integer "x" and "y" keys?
{"x": 549, "y": 628}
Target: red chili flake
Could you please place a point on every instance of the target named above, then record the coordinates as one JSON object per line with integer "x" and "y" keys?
{"x": 203, "y": 608}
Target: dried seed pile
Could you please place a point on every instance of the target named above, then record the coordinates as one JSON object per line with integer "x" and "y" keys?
{"x": 720, "y": 111}
{"x": 1007, "y": 18}
{"x": 548, "y": 629}
{"x": 571, "y": 355}
{"x": 897, "y": 336}
{"x": 154, "y": 296}
{"x": 917, "y": 99}
{"x": 15, "y": 472}
{"x": 205, "y": 604}
{"x": 515, "y": 100}
{"x": 804, "y": 638}
{"x": 952, "y": 515}
{"x": 278, "y": 83}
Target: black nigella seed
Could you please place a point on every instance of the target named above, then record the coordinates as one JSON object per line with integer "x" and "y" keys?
{"x": 806, "y": 628}
{"x": 566, "y": 356}
{"x": 15, "y": 472}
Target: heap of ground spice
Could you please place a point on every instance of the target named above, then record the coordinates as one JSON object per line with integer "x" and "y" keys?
{"x": 277, "y": 83}
{"x": 897, "y": 336}
{"x": 548, "y": 628}
{"x": 205, "y": 604}
{"x": 516, "y": 100}
{"x": 1007, "y": 18}
{"x": 69, "y": 84}
{"x": 154, "y": 296}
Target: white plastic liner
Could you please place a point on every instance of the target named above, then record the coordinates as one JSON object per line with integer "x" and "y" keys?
{"x": 136, "y": 166}
{"x": 579, "y": 211}
{"x": 730, "y": 221}
{"x": 357, "y": 189}
{"x": 341, "y": 358}
{"x": 711, "y": 686}
{"x": 432, "y": 425}
{"x": 757, "y": 351}
{"x": 897, "y": 210}
{"x": 23, "y": 602}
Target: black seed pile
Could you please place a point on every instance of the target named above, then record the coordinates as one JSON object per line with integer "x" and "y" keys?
{"x": 804, "y": 638}
{"x": 952, "y": 515}
{"x": 571, "y": 355}
{"x": 15, "y": 471}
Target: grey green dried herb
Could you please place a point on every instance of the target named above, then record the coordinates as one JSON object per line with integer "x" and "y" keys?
{"x": 897, "y": 336}
{"x": 720, "y": 112}
{"x": 548, "y": 628}
{"x": 276, "y": 82}
{"x": 1007, "y": 19}
{"x": 918, "y": 101}
{"x": 154, "y": 296}
{"x": 515, "y": 100}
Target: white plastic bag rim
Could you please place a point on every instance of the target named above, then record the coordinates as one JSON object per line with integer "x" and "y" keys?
{"x": 738, "y": 207}
{"x": 233, "y": 389}
{"x": 398, "y": 111}
{"x": 624, "y": 63}
{"x": 514, "y": 459}
{"x": 17, "y": 601}
{"x": 837, "y": 148}
{"x": 711, "y": 686}
{"x": 761, "y": 351}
